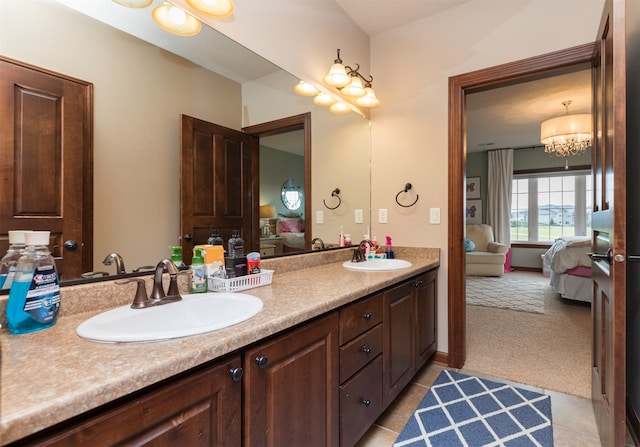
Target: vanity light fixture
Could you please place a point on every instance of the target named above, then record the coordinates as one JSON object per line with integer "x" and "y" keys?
{"x": 566, "y": 135}
{"x": 351, "y": 83}
{"x": 304, "y": 89}
{"x": 175, "y": 20}
{"x": 324, "y": 99}
{"x": 339, "y": 108}
{"x": 134, "y": 3}
{"x": 213, "y": 8}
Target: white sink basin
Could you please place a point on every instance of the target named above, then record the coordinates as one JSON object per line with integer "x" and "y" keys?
{"x": 195, "y": 314}
{"x": 378, "y": 265}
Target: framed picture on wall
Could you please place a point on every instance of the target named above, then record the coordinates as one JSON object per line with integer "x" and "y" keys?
{"x": 474, "y": 212}
{"x": 473, "y": 187}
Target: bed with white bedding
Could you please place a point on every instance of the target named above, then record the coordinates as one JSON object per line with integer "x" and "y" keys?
{"x": 570, "y": 265}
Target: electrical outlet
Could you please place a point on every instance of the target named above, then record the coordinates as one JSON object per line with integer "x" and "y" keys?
{"x": 434, "y": 215}
{"x": 319, "y": 217}
{"x": 358, "y": 216}
{"x": 382, "y": 215}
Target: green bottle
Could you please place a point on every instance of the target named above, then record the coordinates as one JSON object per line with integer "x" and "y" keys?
{"x": 176, "y": 256}
{"x": 198, "y": 280}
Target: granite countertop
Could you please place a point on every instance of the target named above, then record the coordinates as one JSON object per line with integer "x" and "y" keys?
{"x": 52, "y": 375}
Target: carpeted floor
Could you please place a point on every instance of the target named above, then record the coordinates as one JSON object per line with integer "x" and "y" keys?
{"x": 507, "y": 292}
{"x": 550, "y": 351}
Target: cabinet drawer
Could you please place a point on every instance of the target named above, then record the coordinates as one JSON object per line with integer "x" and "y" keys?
{"x": 360, "y": 403}
{"x": 360, "y": 317}
{"x": 360, "y": 351}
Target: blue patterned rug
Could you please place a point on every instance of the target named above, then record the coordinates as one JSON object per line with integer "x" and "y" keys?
{"x": 461, "y": 410}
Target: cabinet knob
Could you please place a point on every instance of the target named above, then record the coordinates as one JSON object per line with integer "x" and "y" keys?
{"x": 262, "y": 361}
{"x": 236, "y": 374}
{"x": 418, "y": 283}
{"x": 366, "y": 402}
{"x": 367, "y": 316}
{"x": 366, "y": 349}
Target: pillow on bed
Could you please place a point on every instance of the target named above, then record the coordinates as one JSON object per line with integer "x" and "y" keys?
{"x": 290, "y": 226}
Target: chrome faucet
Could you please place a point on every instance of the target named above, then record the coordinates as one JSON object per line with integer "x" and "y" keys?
{"x": 317, "y": 239}
{"x": 119, "y": 262}
{"x": 158, "y": 297}
{"x": 358, "y": 253}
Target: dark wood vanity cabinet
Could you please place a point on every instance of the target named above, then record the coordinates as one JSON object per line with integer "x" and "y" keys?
{"x": 202, "y": 408}
{"x": 409, "y": 315}
{"x": 291, "y": 384}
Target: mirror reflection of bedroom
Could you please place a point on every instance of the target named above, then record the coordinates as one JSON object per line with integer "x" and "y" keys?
{"x": 528, "y": 213}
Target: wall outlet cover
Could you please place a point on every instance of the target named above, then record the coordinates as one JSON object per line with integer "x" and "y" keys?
{"x": 358, "y": 216}
{"x": 382, "y": 215}
{"x": 319, "y": 217}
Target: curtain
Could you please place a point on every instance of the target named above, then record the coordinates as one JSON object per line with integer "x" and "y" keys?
{"x": 500, "y": 176}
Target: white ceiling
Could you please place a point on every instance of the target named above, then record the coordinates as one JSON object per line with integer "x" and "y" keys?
{"x": 498, "y": 118}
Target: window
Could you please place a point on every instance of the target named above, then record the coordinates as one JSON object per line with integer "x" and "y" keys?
{"x": 546, "y": 207}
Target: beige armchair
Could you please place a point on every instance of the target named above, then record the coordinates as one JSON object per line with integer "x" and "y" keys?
{"x": 489, "y": 256}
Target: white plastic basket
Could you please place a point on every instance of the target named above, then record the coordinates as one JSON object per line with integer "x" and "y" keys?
{"x": 240, "y": 283}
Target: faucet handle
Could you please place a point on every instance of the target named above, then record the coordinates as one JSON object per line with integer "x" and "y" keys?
{"x": 141, "y": 297}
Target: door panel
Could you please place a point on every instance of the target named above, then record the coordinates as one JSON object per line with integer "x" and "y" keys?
{"x": 46, "y": 174}
{"x": 218, "y": 184}
{"x": 609, "y": 228}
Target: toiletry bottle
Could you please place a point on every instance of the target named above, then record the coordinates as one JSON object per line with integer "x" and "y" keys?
{"x": 347, "y": 240}
{"x": 236, "y": 245}
{"x": 215, "y": 238}
{"x": 10, "y": 260}
{"x": 341, "y": 238}
{"x": 34, "y": 298}
{"x": 198, "y": 279}
{"x": 367, "y": 249}
{"x": 390, "y": 254}
{"x": 176, "y": 256}
{"x": 374, "y": 249}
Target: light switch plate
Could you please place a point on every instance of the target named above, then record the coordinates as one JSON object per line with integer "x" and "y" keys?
{"x": 382, "y": 215}
{"x": 319, "y": 217}
{"x": 434, "y": 215}
{"x": 358, "y": 216}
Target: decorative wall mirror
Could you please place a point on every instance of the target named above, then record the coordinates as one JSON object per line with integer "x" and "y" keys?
{"x": 291, "y": 195}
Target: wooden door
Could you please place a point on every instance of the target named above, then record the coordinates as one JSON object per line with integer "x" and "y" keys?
{"x": 291, "y": 388}
{"x": 219, "y": 183}
{"x": 46, "y": 172}
{"x": 398, "y": 316}
{"x": 609, "y": 227}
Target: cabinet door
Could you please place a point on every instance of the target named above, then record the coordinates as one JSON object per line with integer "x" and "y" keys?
{"x": 398, "y": 337}
{"x": 201, "y": 409}
{"x": 426, "y": 316}
{"x": 291, "y": 387}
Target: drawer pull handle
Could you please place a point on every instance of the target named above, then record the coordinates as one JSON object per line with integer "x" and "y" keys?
{"x": 367, "y": 316}
{"x": 236, "y": 374}
{"x": 262, "y": 361}
{"x": 366, "y": 349}
{"x": 366, "y": 402}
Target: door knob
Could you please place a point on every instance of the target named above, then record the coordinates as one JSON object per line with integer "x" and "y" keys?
{"x": 70, "y": 245}
{"x": 188, "y": 237}
{"x": 608, "y": 256}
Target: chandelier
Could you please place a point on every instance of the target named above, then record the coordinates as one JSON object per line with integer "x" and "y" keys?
{"x": 567, "y": 135}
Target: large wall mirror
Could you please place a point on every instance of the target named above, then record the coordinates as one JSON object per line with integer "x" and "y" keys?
{"x": 142, "y": 85}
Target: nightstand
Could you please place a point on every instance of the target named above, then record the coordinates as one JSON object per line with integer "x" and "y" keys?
{"x": 270, "y": 246}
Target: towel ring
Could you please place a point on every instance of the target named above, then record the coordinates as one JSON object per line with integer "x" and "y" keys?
{"x": 407, "y": 187}
{"x": 334, "y": 193}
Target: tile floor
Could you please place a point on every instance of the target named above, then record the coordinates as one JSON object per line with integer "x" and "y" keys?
{"x": 573, "y": 420}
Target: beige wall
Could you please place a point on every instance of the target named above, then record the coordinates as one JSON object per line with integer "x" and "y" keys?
{"x": 136, "y": 121}
{"x": 412, "y": 64}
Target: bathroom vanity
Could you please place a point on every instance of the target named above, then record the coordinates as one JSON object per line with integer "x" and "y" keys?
{"x": 329, "y": 352}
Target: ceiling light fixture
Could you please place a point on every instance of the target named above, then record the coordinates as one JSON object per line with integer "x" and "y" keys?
{"x": 175, "y": 20}
{"x": 567, "y": 135}
{"x": 213, "y": 8}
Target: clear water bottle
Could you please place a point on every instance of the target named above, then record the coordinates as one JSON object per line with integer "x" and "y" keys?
{"x": 236, "y": 245}
{"x": 10, "y": 260}
{"x": 215, "y": 238}
{"x": 34, "y": 298}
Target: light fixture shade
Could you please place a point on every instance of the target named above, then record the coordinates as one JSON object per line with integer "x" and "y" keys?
{"x": 337, "y": 76}
{"x": 175, "y": 20}
{"x": 355, "y": 89}
{"x": 339, "y": 108}
{"x": 566, "y": 135}
{"x": 304, "y": 89}
{"x": 267, "y": 211}
{"x": 323, "y": 99}
{"x": 134, "y": 3}
{"x": 214, "y": 8}
{"x": 369, "y": 99}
